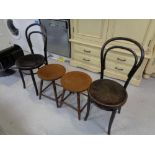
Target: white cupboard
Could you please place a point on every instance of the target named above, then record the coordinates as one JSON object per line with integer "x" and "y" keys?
{"x": 88, "y": 36}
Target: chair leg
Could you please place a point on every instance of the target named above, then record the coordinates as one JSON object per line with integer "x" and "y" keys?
{"x": 111, "y": 121}
{"x": 46, "y": 61}
{"x": 88, "y": 109}
{"x": 22, "y": 77}
{"x": 78, "y": 106}
{"x": 55, "y": 94}
{"x": 62, "y": 97}
{"x": 119, "y": 110}
{"x": 41, "y": 86}
{"x": 34, "y": 82}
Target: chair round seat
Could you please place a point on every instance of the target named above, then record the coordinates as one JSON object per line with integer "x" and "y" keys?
{"x": 107, "y": 93}
{"x": 51, "y": 72}
{"x": 30, "y": 61}
{"x": 76, "y": 81}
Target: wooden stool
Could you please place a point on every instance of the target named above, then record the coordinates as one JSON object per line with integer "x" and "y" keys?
{"x": 75, "y": 82}
{"x": 50, "y": 72}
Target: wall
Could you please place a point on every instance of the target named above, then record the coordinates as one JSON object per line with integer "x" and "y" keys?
{"x": 4, "y": 38}
{"x": 20, "y": 40}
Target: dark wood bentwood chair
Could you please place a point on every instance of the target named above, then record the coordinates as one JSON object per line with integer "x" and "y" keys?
{"x": 32, "y": 61}
{"x": 108, "y": 94}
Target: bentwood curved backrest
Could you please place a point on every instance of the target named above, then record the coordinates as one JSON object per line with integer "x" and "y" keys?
{"x": 138, "y": 60}
{"x": 43, "y": 33}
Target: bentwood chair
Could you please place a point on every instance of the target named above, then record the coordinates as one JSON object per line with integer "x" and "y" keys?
{"x": 108, "y": 94}
{"x": 32, "y": 61}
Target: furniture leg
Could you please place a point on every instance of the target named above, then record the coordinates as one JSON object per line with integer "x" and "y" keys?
{"x": 41, "y": 85}
{"x": 78, "y": 106}
{"x": 88, "y": 109}
{"x": 34, "y": 82}
{"x": 119, "y": 110}
{"x": 111, "y": 121}
{"x": 55, "y": 93}
{"x": 22, "y": 77}
{"x": 62, "y": 97}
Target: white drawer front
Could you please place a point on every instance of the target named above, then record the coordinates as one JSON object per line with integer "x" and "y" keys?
{"x": 117, "y": 67}
{"x": 112, "y": 65}
{"x": 121, "y": 58}
{"x": 86, "y": 50}
{"x": 86, "y": 59}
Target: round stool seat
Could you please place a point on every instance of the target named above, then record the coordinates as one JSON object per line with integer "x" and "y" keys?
{"x": 76, "y": 81}
{"x": 51, "y": 72}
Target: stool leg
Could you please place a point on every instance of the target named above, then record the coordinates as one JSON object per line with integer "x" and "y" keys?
{"x": 55, "y": 94}
{"x": 78, "y": 106}
{"x": 88, "y": 109}
{"x": 62, "y": 97}
{"x": 41, "y": 86}
{"x": 22, "y": 77}
{"x": 34, "y": 82}
{"x": 111, "y": 121}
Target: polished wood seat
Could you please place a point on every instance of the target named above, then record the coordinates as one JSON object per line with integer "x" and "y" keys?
{"x": 108, "y": 93}
{"x": 75, "y": 82}
{"x": 50, "y": 72}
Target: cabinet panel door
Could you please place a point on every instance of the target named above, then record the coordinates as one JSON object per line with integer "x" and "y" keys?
{"x": 138, "y": 29}
{"x": 90, "y": 29}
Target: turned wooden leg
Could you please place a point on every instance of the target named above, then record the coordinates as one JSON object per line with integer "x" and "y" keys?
{"x": 119, "y": 110}
{"x": 22, "y": 77}
{"x": 88, "y": 109}
{"x": 78, "y": 106}
{"x": 55, "y": 94}
{"x": 41, "y": 85}
{"x": 62, "y": 97}
{"x": 34, "y": 82}
{"x": 111, "y": 121}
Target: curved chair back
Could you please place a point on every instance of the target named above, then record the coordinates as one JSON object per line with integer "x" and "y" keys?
{"x": 43, "y": 33}
{"x": 137, "y": 61}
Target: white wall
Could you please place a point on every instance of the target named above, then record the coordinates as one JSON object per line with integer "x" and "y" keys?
{"x": 21, "y": 24}
{"x": 4, "y": 38}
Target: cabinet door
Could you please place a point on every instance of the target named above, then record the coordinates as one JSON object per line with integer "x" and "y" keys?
{"x": 141, "y": 30}
{"x": 90, "y": 29}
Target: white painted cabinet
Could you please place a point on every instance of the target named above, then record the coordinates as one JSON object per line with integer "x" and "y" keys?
{"x": 91, "y": 31}
{"x": 150, "y": 67}
{"x": 142, "y": 30}
{"x": 88, "y": 36}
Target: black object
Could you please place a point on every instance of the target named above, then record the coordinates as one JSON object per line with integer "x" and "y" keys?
{"x": 32, "y": 61}
{"x": 12, "y": 28}
{"x": 8, "y": 57}
{"x": 108, "y": 94}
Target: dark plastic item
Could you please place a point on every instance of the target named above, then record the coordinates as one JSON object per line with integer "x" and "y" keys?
{"x": 8, "y": 57}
